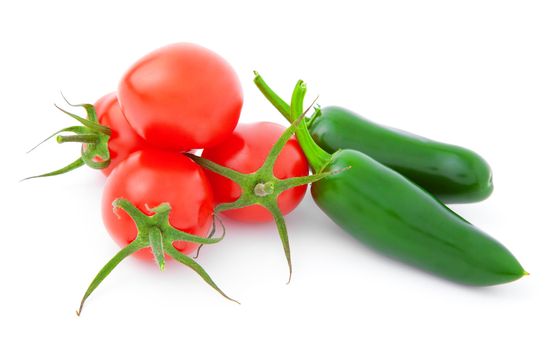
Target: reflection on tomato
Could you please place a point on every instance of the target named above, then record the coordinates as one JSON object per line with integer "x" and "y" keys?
{"x": 181, "y": 96}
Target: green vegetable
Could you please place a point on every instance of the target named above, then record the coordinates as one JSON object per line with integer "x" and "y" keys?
{"x": 453, "y": 174}
{"x": 388, "y": 212}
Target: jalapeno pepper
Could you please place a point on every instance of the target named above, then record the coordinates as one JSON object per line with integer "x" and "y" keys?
{"x": 453, "y": 174}
{"x": 388, "y": 212}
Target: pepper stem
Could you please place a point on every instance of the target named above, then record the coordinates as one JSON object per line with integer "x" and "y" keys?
{"x": 317, "y": 157}
{"x": 155, "y": 232}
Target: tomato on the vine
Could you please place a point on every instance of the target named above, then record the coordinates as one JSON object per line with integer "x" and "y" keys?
{"x": 148, "y": 178}
{"x": 245, "y": 151}
{"x": 157, "y": 205}
{"x": 123, "y": 140}
{"x": 181, "y": 96}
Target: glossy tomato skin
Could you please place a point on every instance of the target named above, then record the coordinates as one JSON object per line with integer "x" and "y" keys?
{"x": 151, "y": 177}
{"x": 245, "y": 151}
{"x": 181, "y": 96}
{"x": 123, "y": 140}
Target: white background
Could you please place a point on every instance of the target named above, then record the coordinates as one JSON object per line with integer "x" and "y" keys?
{"x": 481, "y": 74}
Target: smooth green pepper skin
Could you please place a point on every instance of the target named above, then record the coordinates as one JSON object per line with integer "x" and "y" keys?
{"x": 453, "y": 174}
{"x": 388, "y": 212}
{"x": 392, "y": 214}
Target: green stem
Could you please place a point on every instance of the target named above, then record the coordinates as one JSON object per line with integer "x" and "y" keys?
{"x": 220, "y": 169}
{"x": 74, "y": 165}
{"x": 75, "y": 129}
{"x": 183, "y": 236}
{"x": 156, "y": 243}
{"x": 316, "y": 156}
{"x": 282, "y": 230}
{"x": 89, "y": 155}
{"x": 130, "y": 209}
{"x": 187, "y": 261}
{"x": 280, "y": 104}
{"x": 93, "y": 125}
{"x": 262, "y": 187}
{"x": 94, "y": 137}
{"x": 156, "y": 232}
{"x": 106, "y": 270}
{"x": 83, "y": 138}
{"x": 316, "y": 114}
{"x": 212, "y": 233}
{"x": 243, "y": 201}
{"x": 291, "y": 182}
{"x": 89, "y": 108}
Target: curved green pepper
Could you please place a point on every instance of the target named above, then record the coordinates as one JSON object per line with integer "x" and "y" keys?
{"x": 388, "y": 212}
{"x": 400, "y": 219}
{"x": 453, "y": 174}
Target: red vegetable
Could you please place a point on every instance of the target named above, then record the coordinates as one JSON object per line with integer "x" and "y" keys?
{"x": 106, "y": 136}
{"x": 123, "y": 140}
{"x": 181, "y": 96}
{"x": 161, "y": 202}
{"x": 245, "y": 151}
{"x": 148, "y": 178}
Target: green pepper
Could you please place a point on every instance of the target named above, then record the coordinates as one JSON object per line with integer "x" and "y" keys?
{"x": 453, "y": 174}
{"x": 388, "y": 212}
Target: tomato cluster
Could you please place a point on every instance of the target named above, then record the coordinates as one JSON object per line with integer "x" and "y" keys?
{"x": 160, "y": 199}
{"x": 175, "y": 99}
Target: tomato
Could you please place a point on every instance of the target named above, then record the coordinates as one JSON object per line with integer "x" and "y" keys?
{"x": 123, "y": 140}
{"x": 149, "y": 178}
{"x": 245, "y": 151}
{"x": 181, "y": 96}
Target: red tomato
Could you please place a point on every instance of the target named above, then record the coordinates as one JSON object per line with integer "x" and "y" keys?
{"x": 123, "y": 140}
{"x": 151, "y": 177}
{"x": 181, "y": 96}
{"x": 245, "y": 151}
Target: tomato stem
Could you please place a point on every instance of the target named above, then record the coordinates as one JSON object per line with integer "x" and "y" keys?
{"x": 74, "y": 165}
{"x": 156, "y": 243}
{"x": 94, "y": 137}
{"x": 82, "y": 138}
{"x": 282, "y": 230}
{"x": 154, "y": 232}
{"x": 212, "y": 232}
{"x": 106, "y": 270}
{"x": 262, "y": 187}
{"x": 74, "y": 129}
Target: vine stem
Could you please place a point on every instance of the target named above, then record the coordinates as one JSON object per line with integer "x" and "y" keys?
{"x": 317, "y": 157}
{"x": 154, "y": 232}
{"x": 93, "y": 135}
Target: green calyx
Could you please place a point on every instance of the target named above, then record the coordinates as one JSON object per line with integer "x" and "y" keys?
{"x": 155, "y": 232}
{"x": 94, "y": 137}
{"x": 317, "y": 157}
{"x": 262, "y": 187}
